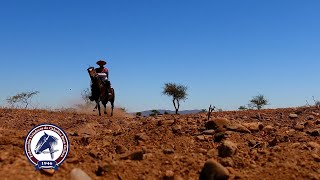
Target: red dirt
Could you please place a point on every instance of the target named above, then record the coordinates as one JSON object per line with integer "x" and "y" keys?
{"x": 170, "y": 144}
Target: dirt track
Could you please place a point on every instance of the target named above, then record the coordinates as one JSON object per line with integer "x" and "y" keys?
{"x": 269, "y": 144}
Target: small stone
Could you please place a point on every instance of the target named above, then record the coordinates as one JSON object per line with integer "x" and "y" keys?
{"x": 136, "y": 156}
{"x": 253, "y": 126}
{"x": 78, "y": 174}
{"x": 165, "y": 122}
{"x": 168, "y": 151}
{"x": 311, "y": 117}
{"x": 217, "y": 123}
{"x": 176, "y": 129}
{"x": 317, "y": 122}
{"x": 49, "y": 172}
{"x": 102, "y": 170}
{"x": 293, "y": 116}
{"x": 238, "y": 128}
{"x": 227, "y": 162}
{"x": 201, "y": 138}
{"x": 219, "y": 136}
{"x": 268, "y": 128}
{"x": 209, "y": 132}
{"x": 202, "y": 151}
{"x": 212, "y": 153}
{"x": 299, "y": 127}
{"x": 213, "y": 170}
{"x": 169, "y": 175}
{"x": 121, "y": 149}
{"x": 316, "y": 157}
{"x": 274, "y": 142}
{"x": 252, "y": 143}
{"x": 315, "y": 132}
{"x": 227, "y": 149}
{"x": 141, "y": 137}
{"x": 313, "y": 145}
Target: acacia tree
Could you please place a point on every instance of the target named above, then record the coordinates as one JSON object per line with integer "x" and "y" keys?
{"x": 258, "y": 101}
{"x": 177, "y": 92}
{"x": 24, "y": 99}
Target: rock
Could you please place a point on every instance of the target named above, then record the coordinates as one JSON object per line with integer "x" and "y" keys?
{"x": 121, "y": 149}
{"x": 311, "y": 117}
{"x": 169, "y": 175}
{"x": 213, "y": 170}
{"x": 273, "y": 143}
{"x": 212, "y": 153}
{"x": 49, "y": 172}
{"x": 103, "y": 169}
{"x": 316, "y": 157}
{"x": 176, "y": 129}
{"x": 227, "y": 162}
{"x": 216, "y": 123}
{"x": 168, "y": 151}
{"x": 209, "y": 132}
{"x": 252, "y": 143}
{"x": 293, "y": 116}
{"x": 221, "y": 135}
{"x": 253, "y": 126}
{"x": 315, "y": 132}
{"x": 141, "y": 137}
{"x": 269, "y": 128}
{"x": 317, "y": 122}
{"x": 136, "y": 156}
{"x": 165, "y": 122}
{"x": 78, "y": 174}
{"x": 200, "y": 138}
{"x": 238, "y": 128}
{"x": 202, "y": 151}
{"x": 227, "y": 149}
{"x": 314, "y": 145}
{"x": 4, "y": 156}
{"x": 299, "y": 127}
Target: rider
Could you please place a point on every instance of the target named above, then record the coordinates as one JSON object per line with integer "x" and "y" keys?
{"x": 103, "y": 74}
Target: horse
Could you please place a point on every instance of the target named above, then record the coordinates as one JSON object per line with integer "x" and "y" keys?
{"x": 100, "y": 91}
{"x": 46, "y": 142}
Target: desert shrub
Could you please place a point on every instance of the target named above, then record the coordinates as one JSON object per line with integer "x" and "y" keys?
{"x": 258, "y": 102}
{"x": 177, "y": 92}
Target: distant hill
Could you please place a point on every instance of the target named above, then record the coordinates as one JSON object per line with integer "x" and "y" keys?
{"x": 146, "y": 113}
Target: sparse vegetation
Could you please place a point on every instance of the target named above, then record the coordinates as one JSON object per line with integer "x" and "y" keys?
{"x": 23, "y": 99}
{"x": 138, "y": 113}
{"x": 177, "y": 92}
{"x": 242, "y": 108}
{"x": 85, "y": 94}
{"x": 258, "y": 102}
{"x": 165, "y": 112}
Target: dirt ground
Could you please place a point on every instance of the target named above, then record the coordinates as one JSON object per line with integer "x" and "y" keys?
{"x": 265, "y": 144}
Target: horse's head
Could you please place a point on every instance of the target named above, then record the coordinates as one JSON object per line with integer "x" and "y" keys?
{"x": 46, "y": 141}
{"x": 92, "y": 72}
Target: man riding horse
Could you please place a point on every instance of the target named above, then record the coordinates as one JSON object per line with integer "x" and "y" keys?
{"x": 103, "y": 74}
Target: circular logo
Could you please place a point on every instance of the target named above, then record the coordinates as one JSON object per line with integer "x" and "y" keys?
{"x": 46, "y": 146}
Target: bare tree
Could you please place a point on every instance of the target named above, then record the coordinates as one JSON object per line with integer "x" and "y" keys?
{"x": 24, "y": 99}
{"x": 177, "y": 92}
{"x": 85, "y": 94}
{"x": 258, "y": 101}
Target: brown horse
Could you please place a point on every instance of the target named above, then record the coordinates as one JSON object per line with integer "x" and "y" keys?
{"x": 100, "y": 91}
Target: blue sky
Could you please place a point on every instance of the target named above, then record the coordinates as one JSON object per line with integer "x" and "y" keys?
{"x": 224, "y": 51}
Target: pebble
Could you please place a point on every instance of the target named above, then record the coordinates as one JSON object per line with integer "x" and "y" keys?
{"x": 168, "y": 151}
{"x": 316, "y": 157}
{"x": 227, "y": 149}
{"x": 141, "y": 137}
{"x": 293, "y": 116}
{"x": 314, "y": 145}
{"x": 217, "y": 123}
{"x": 213, "y": 170}
{"x": 136, "y": 156}
{"x": 121, "y": 149}
{"x": 315, "y": 132}
{"x": 78, "y": 174}
{"x": 49, "y": 172}
{"x": 254, "y": 126}
{"x": 176, "y": 129}
{"x": 209, "y": 132}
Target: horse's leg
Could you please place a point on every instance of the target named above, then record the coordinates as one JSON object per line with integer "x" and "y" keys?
{"x": 94, "y": 109}
{"x": 98, "y": 106}
{"x": 112, "y": 106}
{"x": 105, "y": 107}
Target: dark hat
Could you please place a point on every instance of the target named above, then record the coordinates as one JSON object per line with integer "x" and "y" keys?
{"x": 101, "y": 62}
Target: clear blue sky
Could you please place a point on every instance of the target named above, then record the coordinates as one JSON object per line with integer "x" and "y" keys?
{"x": 224, "y": 51}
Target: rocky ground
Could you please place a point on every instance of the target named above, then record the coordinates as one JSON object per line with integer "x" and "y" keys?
{"x": 266, "y": 144}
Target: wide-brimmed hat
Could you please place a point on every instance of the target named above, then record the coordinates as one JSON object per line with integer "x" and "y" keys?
{"x": 101, "y": 62}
